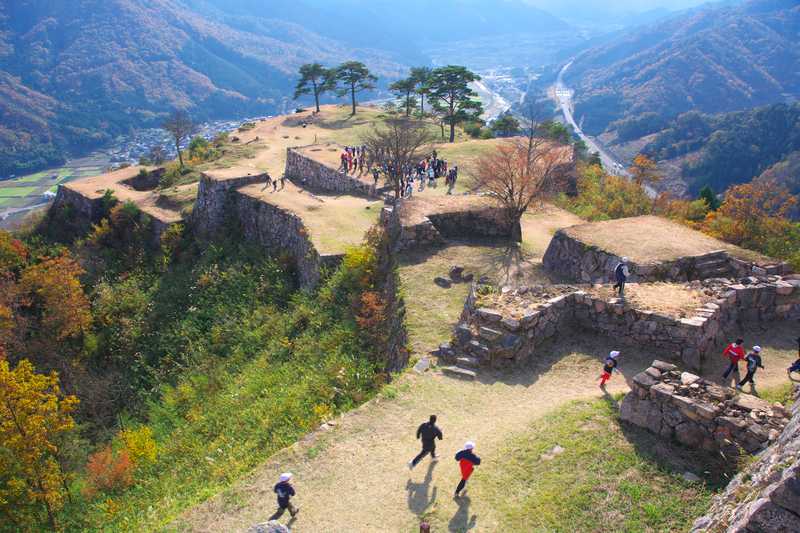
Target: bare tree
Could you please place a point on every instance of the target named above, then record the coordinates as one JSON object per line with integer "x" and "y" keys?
{"x": 519, "y": 172}
{"x": 398, "y": 145}
{"x": 180, "y": 126}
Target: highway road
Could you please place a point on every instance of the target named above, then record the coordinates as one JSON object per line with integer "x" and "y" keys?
{"x": 564, "y": 95}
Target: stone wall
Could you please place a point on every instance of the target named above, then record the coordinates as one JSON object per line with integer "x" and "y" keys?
{"x": 82, "y": 211}
{"x": 700, "y": 414}
{"x": 577, "y": 261}
{"x": 435, "y": 229}
{"x": 280, "y": 232}
{"x": 215, "y": 201}
{"x": 497, "y": 338}
{"x": 766, "y": 495}
{"x": 306, "y": 172}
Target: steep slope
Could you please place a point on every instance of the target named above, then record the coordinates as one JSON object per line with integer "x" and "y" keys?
{"x": 729, "y": 148}
{"x": 103, "y": 66}
{"x": 714, "y": 59}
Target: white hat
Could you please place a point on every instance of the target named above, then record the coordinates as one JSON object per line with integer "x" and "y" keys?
{"x": 286, "y": 476}
{"x": 756, "y": 349}
{"x": 614, "y": 354}
{"x": 469, "y": 445}
{"x": 624, "y": 259}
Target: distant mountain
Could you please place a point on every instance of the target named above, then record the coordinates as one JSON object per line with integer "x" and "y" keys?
{"x": 75, "y": 74}
{"x": 731, "y": 148}
{"x": 713, "y": 59}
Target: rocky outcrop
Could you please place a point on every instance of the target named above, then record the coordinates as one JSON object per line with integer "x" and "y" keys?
{"x": 311, "y": 174}
{"x": 577, "y": 261}
{"x": 77, "y": 208}
{"x": 700, "y": 414}
{"x": 765, "y": 497}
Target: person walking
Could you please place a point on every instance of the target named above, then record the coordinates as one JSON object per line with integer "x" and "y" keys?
{"x": 753, "y": 363}
{"x": 609, "y": 365}
{"x": 621, "y": 274}
{"x": 284, "y": 490}
{"x": 283, "y": 181}
{"x": 268, "y": 181}
{"x": 427, "y": 432}
{"x": 735, "y": 353}
{"x": 796, "y": 365}
{"x": 467, "y": 461}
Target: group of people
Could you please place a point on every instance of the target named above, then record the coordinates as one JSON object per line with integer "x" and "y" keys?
{"x": 427, "y": 170}
{"x": 428, "y": 433}
{"x": 274, "y": 182}
{"x": 355, "y": 159}
{"x": 735, "y": 353}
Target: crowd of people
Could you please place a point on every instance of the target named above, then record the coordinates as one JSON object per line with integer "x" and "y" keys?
{"x": 427, "y": 172}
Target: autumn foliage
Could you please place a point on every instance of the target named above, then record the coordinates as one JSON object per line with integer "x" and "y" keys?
{"x": 34, "y": 418}
{"x": 108, "y": 471}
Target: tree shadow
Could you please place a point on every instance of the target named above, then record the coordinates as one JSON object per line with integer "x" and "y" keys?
{"x": 462, "y": 521}
{"x": 417, "y": 497}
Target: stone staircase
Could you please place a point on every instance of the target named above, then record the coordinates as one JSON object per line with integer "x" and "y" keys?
{"x": 713, "y": 265}
{"x": 458, "y": 366}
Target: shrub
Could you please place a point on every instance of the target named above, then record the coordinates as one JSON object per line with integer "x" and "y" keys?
{"x": 107, "y": 471}
{"x": 140, "y": 445}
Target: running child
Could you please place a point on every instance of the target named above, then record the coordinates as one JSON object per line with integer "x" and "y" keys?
{"x": 609, "y": 366}
{"x": 467, "y": 461}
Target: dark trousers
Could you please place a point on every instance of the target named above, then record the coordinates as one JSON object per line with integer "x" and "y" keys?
{"x": 281, "y": 510}
{"x": 461, "y": 485}
{"x": 748, "y": 378}
{"x": 620, "y": 284}
{"x": 425, "y": 451}
{"x": 732, "y": 367}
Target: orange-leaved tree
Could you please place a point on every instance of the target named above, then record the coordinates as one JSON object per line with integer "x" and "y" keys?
{"x": 518, "y": 173}
{"x": 643, "y": 171}
{"x": 53, "y": 291}
{"x": 34, "y": 418}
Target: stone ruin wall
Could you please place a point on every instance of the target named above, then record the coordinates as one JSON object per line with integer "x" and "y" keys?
{"x": 580, "y": 262}
{"x": 496, "y": 340}
{"x": 306, "y": 172}
{"x": 85, "y": 211}
{"x": 765, "y": 496}
{"x": 701, "y": 414}
{"x": 436, "y": 229}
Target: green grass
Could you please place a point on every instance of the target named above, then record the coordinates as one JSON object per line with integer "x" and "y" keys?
{"x": 609, "y": 478}
{"x": 16, "y": 192}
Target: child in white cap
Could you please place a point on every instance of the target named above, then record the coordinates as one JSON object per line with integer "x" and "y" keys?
{"x": 285, "y": 491}
{"x": 467, "y": 461}
{"x": 609, "y": 366}
{"x": 753, "y": 363}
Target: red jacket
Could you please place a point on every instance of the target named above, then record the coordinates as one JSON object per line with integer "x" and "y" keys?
{"x": 734, "y": 353}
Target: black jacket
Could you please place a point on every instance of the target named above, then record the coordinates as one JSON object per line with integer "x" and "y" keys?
{"x": 428, "y": 432}
{"x": 753, "y": 362}
{"x": 284, "y": 490}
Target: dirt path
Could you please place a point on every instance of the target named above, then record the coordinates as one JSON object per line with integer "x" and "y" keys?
{"x": 354, "y": 477}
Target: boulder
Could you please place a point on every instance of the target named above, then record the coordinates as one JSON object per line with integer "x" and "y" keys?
{"x": 442, "y": 282}
{"x": 490, "y": 315}
{"x": 273, "y": 526}
{"x": 456, "y": 272}
{"x": 751, "y": 403}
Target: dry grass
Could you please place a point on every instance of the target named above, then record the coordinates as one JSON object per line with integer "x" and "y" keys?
{"x": 334, "y": 222}
{"x": 651, "y": 239}
{"x": 367, "y": 449}
{"x": 432, "y": 311}
{"x": 670, "y": 299}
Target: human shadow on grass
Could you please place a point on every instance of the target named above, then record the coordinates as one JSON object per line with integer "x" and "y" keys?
{"x": 462, "y": 521}
{"x": 418, "y": 499}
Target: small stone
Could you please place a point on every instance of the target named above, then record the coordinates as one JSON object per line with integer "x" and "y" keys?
{"x": 688, "y": 378}
{"x": 691, "y": 477}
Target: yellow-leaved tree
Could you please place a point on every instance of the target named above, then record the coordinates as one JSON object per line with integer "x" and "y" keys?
{"x": 34, "y": 418}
